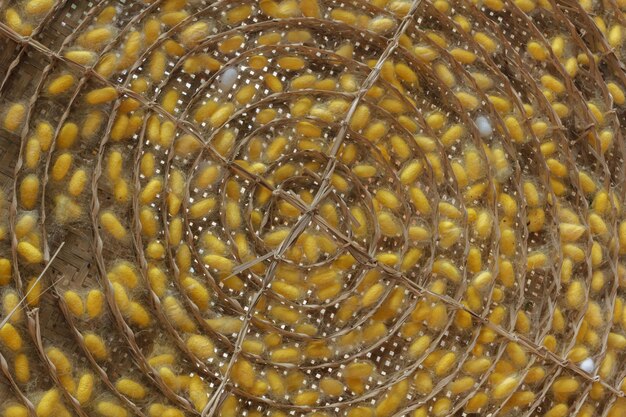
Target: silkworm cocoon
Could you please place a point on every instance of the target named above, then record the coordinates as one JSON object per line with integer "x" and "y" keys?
{"x": 77, "y": 182}
{"x": 615, "y": 36}
{"x": 505, "y": 387}
{"x": 130, "y": 388}
{"x": 61, "y": 84}
{"x": 285, "y": 355}
{"x": 60, "y": 361}
{"x": 94, "y": 303}
{"x": 201, "y": 346}
{"x": 597, "y": 225}
{"x": 81, "y": 57}
{"x": 110, "y": 409}
{"x": 483, "y": 224}
{"x": 38, "y": 7}
{"x": 112, "y": 225}
{"x": 14, "y": 117}
{"x": 84, "y": 389}
{"x": 48, "y": 403}
{"x": 67, "y": 135}
{"x": 243, "y": 373}
{"x": 130, "y": 50}
{"x": 101, "y": 95}
{"x": 29, "y": 191}
{"x": 29, "y": 252}
{"x": 225, "y": 324}
{"x": 138, "y": 315}
{"x": 575, "y": 295}
{"x": 197, "y": 292}
{"x": 25, "y": 225}
{"x": 74, "y": 303}
{"x": 95, "y": 345}
{"x": 61, "y": 166}
{"x": 194, "y": 33}
{"x": 10, "y": 337}
{"x": 33, "y": 292}
{"x": 151, "y": 190}
{"x": 157, "y": 65}
{"x": 565, "y": 386}
{"x": 388, "y": 199}
{"x": 360, "y": 118}
{"x": 21, "y": 366}
{"x": 178, "y": 315}
{"x": 10, "y": 302}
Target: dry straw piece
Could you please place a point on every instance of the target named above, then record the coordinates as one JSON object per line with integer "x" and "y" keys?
{"x": 312, "y": 208}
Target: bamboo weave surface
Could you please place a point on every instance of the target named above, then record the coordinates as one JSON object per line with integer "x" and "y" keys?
{"x": 312, "y": 208}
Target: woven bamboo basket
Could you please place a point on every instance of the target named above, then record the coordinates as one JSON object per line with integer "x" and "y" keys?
{"x": 312, "y": 208}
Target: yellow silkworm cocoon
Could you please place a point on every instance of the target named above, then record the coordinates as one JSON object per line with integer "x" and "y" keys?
{"x": 381, "y": 24}
{"x": 483, "y": 224}
{"x": 74, "y": 303}
{"x": 461, "y": 385}
{"x": 517, "y": 354}
{"x": 535, "y": 374}
{"x": 9, "y": 304}
{"x": 61, "y": 166}
{"x": 101, "y": 96}
{"x": 615, "y": 36}
{"x": 243, "y": 373}
{"x": 151, "y": 190}
{"x": 570, "y": 232}
{"x": 48, "y": 403}
{"x": 597, "y": 224}
{"x": 138, "y": 315}
{"x": 194, "y": 34}
{"x": 22, "y": 368}
{"x": 219, "y": 263}
{"x": 170, "y": 100}
{"x": 149, "y": 222}
{"x": 444, "y": 74}
{"x": 505, "y": 387}
{"x": 67, "y": 135}
{"x": 157, "y": 65}
{"x": 38, "y": 7}
{"x": 77, "y": 182}
{"x": 94, "y": 303}
{"x": 81, "y": 57}
{"x": 84, "y": 389}
{"x": 565, "y": 386}
{"x": 33, "y": 292}
{"x": 285, "y": 355}
{"x": 25, "y": 225}
{"x": 617, "y": 93}
{"x": 468, "y": 101}
{"x": 575, "y": 295}
{"x": 29, "y": 252}
{"x": 95, "y": 345}
{"x": 10, "y": 337}
{"x": 151, "y": 30}
{"x": 61, "y": 84}
{"x": 60, "y": 361}
{"x": 110, "y": 409}
{"x": 130, "y": 388}
{"x": 231, "y": 44}
{"x": 178, "y": 315}
{"x": 14, "y": 117}
{"x": 112, "y": 225}
{"x": 291, "y": 63}
{"x": 419, "y": 346}
{"x": 196, "y": 292}
{"x": 552, "y": 83}
{"x": 201, "y": 346}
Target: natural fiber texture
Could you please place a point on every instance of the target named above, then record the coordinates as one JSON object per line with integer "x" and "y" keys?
{"x": 312, "y": 207}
